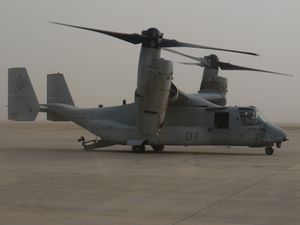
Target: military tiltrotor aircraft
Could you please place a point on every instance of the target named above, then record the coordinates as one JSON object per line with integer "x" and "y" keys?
{"x": 161, "y": 114}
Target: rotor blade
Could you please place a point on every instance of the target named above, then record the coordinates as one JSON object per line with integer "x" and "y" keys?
{"x": 132, "y": 38}
{"x": 194, "y": 64}
{"x": 185, "y": 55}
{"x": 229, "y": 66}
{"x": 166, "y": 43}
{"x": 140, "y": 38}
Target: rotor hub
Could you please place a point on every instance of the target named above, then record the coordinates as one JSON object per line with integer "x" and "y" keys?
{"x": 212, "y": 61}
{"x": 154, "y": 37}
{"x": 152, "y": 33}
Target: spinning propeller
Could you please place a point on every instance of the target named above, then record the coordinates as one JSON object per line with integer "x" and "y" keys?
{"x": 152, "y": 38}
{"x": 212, "y": 61}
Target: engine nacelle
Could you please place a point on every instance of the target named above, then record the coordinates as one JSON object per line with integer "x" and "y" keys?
{"x": 152, "y": 101}
{"x": 212, "y": 82}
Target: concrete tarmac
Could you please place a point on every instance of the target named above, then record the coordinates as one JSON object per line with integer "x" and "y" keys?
{"x": 45, "y": 178}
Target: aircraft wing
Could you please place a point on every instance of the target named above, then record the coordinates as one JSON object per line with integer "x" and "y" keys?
{"x": 197, "y": 100}
{"x": 213, "y": 97}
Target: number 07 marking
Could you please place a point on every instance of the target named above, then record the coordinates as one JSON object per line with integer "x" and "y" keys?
{"x": 191, "y": 136}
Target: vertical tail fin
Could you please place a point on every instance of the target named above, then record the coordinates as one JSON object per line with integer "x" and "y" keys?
{"x": 22, "y": 102}
{"x": 57, "y": 90}
{"x": 57, "y": 93}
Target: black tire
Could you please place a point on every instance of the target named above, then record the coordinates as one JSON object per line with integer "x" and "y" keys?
{"x": 138, "y": 148}
{"x": 269, "y": 151}
{"x": 157, "y": 148}
{"x": 278, "y": 144}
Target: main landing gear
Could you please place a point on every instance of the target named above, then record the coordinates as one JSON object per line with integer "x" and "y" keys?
{"x": 157, "y": 148}
{"x": 141, "y": 148}
{"x": 269, "y": 151}
{"x": 138, "y": 148}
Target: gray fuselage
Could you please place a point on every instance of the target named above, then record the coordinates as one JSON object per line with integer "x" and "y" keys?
{"x": 182, "y": 126}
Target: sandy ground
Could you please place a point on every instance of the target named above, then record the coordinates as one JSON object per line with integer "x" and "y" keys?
{"x": 45, "y": 178}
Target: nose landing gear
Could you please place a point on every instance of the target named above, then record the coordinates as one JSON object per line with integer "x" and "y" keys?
{"x": 269, "y": 151}
{"x": 278, "y": 144}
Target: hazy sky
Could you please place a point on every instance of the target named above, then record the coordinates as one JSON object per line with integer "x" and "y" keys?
{"x": 102, "y": 70}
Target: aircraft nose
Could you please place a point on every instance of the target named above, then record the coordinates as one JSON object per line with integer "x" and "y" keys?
{"x": 279, "y": 134}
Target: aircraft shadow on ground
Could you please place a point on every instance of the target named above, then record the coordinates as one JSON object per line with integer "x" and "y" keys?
{"x": 147, "y": 152}
{"x": 171, "y": 152}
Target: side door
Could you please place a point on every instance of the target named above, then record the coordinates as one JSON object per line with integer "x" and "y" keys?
{"x": 221, "y": 127}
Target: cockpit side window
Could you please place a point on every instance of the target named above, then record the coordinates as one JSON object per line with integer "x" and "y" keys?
{"x": 248, "y": 117}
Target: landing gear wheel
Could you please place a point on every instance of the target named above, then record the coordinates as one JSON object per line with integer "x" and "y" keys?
{"x": 157, "y": 148}
{"x": 278, "y": 144}
{"x": 269, "y": 151}
{"x": 138, "y": 148}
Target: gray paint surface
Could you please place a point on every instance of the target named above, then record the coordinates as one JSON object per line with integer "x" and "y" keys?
{"x": 191, "y": 121}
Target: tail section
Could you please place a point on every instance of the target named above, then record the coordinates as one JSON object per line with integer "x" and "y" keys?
{"x": 22, "y": 101}
{"x": 57, "y": 93}
{"x": 57, "y": 90}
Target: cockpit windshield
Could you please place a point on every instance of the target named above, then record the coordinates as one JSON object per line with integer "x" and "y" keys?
{"x": 259, "y": 117}
{"x": 250, "y": 116}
